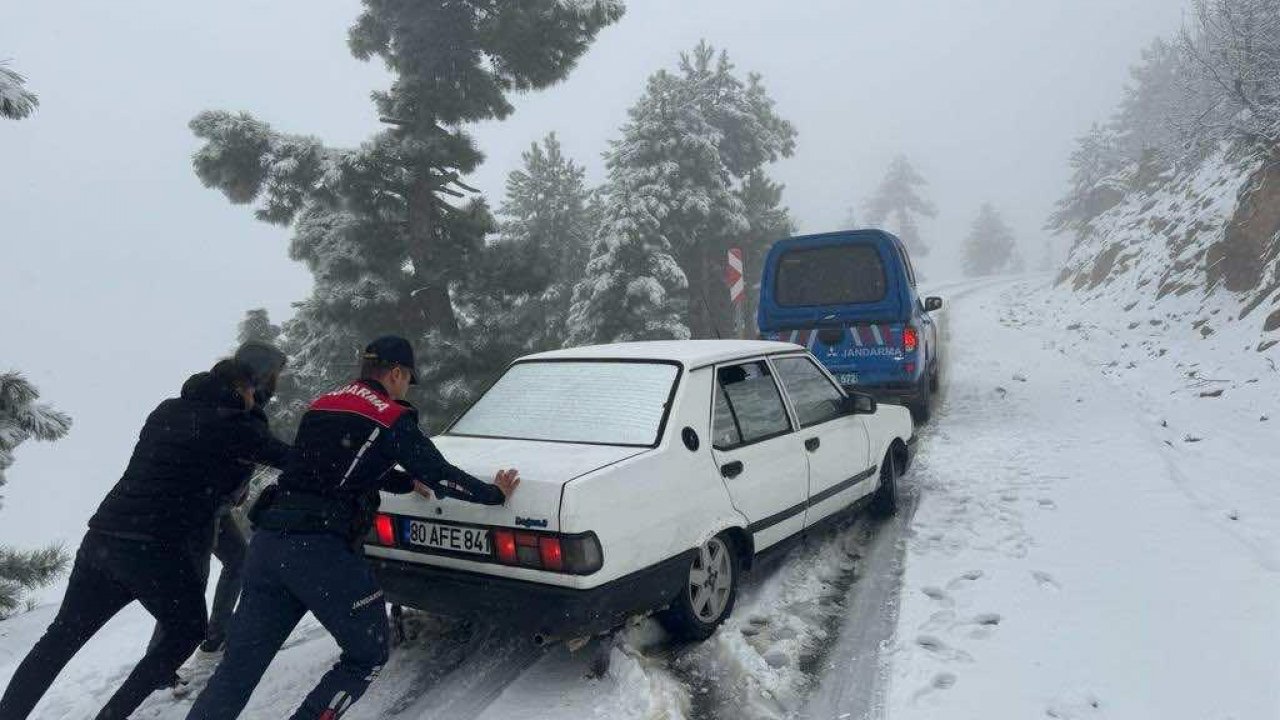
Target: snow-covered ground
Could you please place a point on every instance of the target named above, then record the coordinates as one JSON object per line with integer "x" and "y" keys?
{"x": 1094, "y": 538}
{"x": 1091, "y": 538}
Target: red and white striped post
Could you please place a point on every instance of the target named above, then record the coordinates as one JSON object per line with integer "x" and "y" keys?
{"x": 734, "y": 278}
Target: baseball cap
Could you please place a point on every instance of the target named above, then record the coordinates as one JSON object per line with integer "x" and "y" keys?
{"x": 395, "y": 350}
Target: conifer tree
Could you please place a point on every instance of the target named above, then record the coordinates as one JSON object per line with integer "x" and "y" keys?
{"x": 389, "y": 230}
{"x": 898, "y": 205}
{"x": 547, "y": 223}
{"x": 990, "y": 247}
{"x": 673, "y": 202}
{"x": 22, "y": 419}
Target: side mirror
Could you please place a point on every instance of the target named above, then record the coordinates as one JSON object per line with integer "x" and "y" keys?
{"x": 932, "y": 303}
{"x": 859, "y": 404}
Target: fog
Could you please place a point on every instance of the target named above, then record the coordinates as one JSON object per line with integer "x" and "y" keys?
{"x": 120, "y": 274}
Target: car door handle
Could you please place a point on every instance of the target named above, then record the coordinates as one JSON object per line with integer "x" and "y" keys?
{"x": 732, "y": 469}
{"x": 812, "y": 444}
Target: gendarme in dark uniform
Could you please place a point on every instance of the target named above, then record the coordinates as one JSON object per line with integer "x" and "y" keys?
{"x": 305, "y": 554}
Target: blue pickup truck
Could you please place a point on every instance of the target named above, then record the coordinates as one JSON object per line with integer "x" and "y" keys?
{"x": 850, "y": 297}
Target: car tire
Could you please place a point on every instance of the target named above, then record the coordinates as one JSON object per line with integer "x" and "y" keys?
{"x": 707, "y": 596}
{"x": 885, "y": 501}
{"x": 934, "y": 384}
{"x": 922, "y": 407}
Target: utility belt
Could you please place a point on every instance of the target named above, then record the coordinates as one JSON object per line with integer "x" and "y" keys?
{"x": 295, "y": 511}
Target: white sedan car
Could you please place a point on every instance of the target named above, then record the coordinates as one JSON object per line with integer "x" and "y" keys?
{"x": 652, "y": 474}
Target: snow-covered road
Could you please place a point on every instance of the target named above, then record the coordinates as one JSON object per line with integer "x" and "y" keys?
{"x": 1065, "y": 551}
{"x": 1072, "y": 556}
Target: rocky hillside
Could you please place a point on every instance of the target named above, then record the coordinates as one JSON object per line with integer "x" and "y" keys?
{"x": 1198, "y": 250}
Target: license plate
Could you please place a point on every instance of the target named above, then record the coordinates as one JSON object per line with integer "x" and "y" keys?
{"x": 454, "y": 538}
{"x": 847, "y": 379}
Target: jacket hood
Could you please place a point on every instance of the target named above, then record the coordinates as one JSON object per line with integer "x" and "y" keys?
{"x": 205, "y": 387}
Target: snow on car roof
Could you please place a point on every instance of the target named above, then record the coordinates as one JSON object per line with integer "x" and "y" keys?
{"x": 690, "y": 353}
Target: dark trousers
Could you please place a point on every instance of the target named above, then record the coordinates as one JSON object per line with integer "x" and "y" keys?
{"x": 229, "y": 546}
{"x": 110, "y": 573}
{"x": 285, "y": 577}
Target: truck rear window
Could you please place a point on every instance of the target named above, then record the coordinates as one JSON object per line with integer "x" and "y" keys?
{"x": 832, "y": 275}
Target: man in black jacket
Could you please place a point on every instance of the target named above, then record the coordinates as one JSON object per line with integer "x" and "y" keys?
{"x": 305, "y": 553}
{"x": 150, "y": 536}
{"x": 264, "y": 363}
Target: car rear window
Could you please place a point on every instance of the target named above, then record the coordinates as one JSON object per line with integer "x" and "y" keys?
{"x": 832, "y": 275}
{"x": 607, "y": 403}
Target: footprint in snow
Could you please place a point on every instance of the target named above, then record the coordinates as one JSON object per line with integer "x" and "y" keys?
{"x": 983, "y": 625}
{"x": 941, "y": 681}
{"x": 942, "y": 651}
{"x": 1048, "y": 504}
{"x": 938, "y": 595}
{"x": 961, "y": 581}
{"x": 1044, "y": 579}
{"x": 1072, "y": 708}
{"x": 940, "y": 620}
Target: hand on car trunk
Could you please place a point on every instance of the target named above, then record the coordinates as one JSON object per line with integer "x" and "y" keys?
{"x": 507, "y": 481}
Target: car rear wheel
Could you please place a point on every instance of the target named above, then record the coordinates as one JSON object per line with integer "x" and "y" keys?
{"x": 885, "y": 502}
{"x": 709, "y": 592}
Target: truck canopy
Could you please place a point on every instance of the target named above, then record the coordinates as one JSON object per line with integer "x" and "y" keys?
{"x": 833, "y": 279}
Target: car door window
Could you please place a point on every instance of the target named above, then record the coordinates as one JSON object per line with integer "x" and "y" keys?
{"x": 724, "y": 428}
{"x": 815, "y": 399}
{"x": 752, "y": 403}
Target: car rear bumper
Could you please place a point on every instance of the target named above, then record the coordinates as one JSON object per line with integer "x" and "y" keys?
{"x": 549, "y": 611}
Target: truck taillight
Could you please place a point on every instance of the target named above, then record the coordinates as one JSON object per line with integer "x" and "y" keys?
{"x": 385, "y": 530}
{"x": 910, "y": 339}
{"x": 573, "y": 554}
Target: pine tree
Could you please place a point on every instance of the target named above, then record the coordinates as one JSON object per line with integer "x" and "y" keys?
{"x": 990, "y": 247}
{"x": 768, "y": 221}
{"x": 16, "y": 101}
{"x": 675, "y": 178}
{"x": 22, "y": 419}
{"x": 548, "y": 219}
{"x": 898, "y": 202}
{"x": 391, "y": 234}
{"x": 1097, "y": 181}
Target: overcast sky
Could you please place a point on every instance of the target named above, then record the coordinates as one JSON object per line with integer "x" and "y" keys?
{"x": 120, "y": 275}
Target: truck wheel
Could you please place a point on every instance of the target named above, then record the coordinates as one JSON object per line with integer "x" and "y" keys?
{"x": 885, "y": 502}
{"x": 708, "y": 594}
{"x": 921, "y": 408}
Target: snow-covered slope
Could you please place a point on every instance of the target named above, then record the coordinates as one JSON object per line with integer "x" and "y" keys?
{"x": 1193, "y": 256}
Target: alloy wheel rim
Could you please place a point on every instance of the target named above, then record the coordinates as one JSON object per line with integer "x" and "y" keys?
{"x": 710, "y": 580}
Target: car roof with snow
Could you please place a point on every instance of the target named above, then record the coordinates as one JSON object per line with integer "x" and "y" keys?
{"x": 689, "y": 353}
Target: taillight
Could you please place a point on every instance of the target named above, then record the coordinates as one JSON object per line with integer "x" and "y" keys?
{"x": 505, "y": 543}
{"x": 573, "y": 554}
{"x": 385, "y": 528}
{"x": 549, "y": 549}
{"x": 910, "y": 339}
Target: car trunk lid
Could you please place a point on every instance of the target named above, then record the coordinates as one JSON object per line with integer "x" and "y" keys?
{"x": 544, "y": 468}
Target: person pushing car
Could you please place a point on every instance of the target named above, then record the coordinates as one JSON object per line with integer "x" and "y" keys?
{"x": 150, "y": 539}
{"x": 305, "y": 553}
